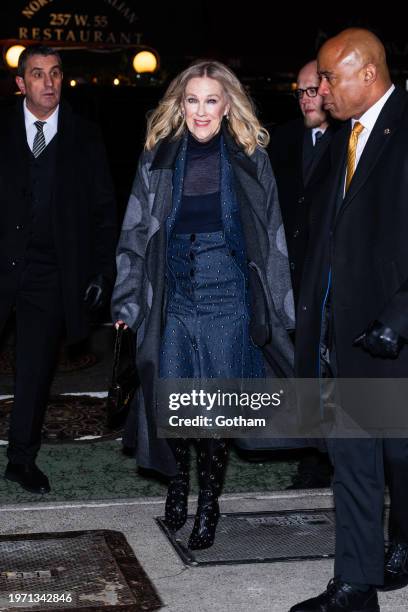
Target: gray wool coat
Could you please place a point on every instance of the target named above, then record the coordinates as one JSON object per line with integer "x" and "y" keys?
{"x": 139, "y": 294}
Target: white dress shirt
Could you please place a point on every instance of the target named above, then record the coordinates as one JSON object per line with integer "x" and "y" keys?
{"x": 49, "y": 128}
{"x": 314, "y": 130}
{"x": 368, "y": 121}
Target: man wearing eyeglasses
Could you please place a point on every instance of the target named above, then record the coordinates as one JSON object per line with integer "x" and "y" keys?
{"x": 298, "y": 155}
{"x": 298, "y": 159}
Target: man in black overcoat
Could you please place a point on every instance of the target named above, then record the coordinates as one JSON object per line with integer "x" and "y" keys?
{"x": 57, "y": 240}
{"x": 298, "y": 153}
{"x": 353, "y": 309}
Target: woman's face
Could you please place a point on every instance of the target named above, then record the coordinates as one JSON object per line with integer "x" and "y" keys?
{"x": 204, "y": 105}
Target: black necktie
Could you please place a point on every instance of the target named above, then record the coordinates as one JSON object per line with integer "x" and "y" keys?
{"x": 318, "y": 136}
{"x": 39, "y": 140}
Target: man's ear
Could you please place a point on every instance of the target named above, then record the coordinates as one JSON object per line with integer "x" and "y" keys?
{"x": 370, "y": 74}
{"x": 21, "y": 84}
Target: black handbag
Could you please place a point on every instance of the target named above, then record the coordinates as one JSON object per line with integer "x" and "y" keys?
{"x": 124, "y": 382}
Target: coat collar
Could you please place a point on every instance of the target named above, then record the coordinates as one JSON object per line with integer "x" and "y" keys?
{"x": 384, "y": 128}
{"x": 166, "y": 153}
{"x": 237, "y": 154}
{"x": 318, "y": 153}
{"x": 168, "y": 149}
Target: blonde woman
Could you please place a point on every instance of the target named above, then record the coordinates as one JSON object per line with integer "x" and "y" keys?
{"x": 203, "y": 273}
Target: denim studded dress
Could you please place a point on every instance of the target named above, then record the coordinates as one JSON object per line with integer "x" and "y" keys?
{"x": 206, "y": 333}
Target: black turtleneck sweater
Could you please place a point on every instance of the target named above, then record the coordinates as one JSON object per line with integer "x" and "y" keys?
{"x": 200, "y": 209}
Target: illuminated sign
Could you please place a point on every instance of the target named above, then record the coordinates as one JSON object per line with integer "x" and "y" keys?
{"x": 74, "y": 23}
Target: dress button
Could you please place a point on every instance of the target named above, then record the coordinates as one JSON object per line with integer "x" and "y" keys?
{"x": 192, "y": 237}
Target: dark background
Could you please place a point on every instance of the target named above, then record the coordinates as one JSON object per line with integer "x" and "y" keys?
{"x": 265, "y": 43}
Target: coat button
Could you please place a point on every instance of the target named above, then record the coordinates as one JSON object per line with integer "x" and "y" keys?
{"x": 304, "y": 307}
{"x": 301, "y": 199}
{"x": 292, "y": 265}
{"x": 19, "y": 227}
{"x": 296, "y": 233}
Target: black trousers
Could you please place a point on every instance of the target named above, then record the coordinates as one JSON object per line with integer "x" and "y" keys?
{"x": 39, "y": 325}
{"x": 362, "y": 469}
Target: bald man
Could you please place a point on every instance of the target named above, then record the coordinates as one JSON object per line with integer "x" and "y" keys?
{"x": 353, "y": 308}
{"x": 297, "y": 152}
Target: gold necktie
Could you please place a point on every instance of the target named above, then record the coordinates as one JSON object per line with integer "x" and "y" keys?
{"x": 351, "y": 153}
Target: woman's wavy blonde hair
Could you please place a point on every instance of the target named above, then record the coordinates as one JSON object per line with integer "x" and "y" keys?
{"x": 243, "y": 124}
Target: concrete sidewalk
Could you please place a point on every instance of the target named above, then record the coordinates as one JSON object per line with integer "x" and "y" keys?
{"x": 258, "y": 587}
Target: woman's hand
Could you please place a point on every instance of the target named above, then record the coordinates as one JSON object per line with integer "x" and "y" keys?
{"x": 120, "y": 323}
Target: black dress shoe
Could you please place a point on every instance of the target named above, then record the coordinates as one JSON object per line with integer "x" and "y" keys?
{"x": 396, "y": 568}
{"x": 28, "y": 476}
{"x": 340, "y": 597}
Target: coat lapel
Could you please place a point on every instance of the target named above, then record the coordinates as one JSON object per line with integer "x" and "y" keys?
{"x": 17, "y": 152}
{"x": 65, "y": 166}
{"x": 307, "y": 155}
{"x": 250, "y": 192}
{"x": 338, "y": 162}
{"x": 252, "y": 208}
{"x": 163, "y": 166}
{"x": 319, "y": 150}
{"x": 384, "y": 128}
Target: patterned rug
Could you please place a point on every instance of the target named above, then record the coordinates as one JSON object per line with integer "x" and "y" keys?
{"x": 69, "y": 418}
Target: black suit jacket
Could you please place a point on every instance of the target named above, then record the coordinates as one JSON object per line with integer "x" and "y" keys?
{"x": 297, "y": 181}
{"x": 361, "y": 242}
{"x": 83, "y": 211}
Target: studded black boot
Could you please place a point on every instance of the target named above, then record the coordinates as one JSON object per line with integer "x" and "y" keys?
{"x": 175, "y": 512}
{"x": 211, "y": 460}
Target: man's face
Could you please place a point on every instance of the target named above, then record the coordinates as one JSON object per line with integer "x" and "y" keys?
{"x": 311, "y": 107}
{"x": 342, "y": 85}
{"x": 41, "y": 84}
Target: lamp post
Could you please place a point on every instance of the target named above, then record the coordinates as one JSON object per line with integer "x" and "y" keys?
{"x": 145, "y": 62}
{"x": 12, "y": 55}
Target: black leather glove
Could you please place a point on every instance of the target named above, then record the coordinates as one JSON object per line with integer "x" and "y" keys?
{"x": 380, "y": 341}
{"x": 97, "y": 293}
